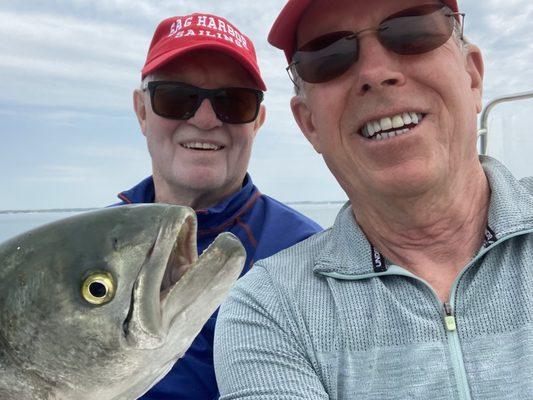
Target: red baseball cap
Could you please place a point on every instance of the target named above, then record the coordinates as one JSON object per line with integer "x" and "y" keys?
{"x": 283, "y": 32}
{"x": 179, "y": 35}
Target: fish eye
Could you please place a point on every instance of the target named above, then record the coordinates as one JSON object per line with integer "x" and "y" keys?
{"x": 98, "y": 288}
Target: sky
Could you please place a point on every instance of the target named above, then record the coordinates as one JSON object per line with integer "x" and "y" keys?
{"x": 69, "y": 136}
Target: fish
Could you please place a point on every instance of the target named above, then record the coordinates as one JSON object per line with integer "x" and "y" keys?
{"x": 100, "y": 305}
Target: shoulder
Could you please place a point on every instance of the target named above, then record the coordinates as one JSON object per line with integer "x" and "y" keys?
{"x": 527, "y": 183}
{"x": 283, "y": 278}
{"x": 276, "y": 293}
{"x": 142, "y": 192}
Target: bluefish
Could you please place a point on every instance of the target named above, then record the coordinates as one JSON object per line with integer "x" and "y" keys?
{"x": 100, "y": 305}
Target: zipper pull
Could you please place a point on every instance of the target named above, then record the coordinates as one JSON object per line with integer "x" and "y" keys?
{"x": 449, "y": 319}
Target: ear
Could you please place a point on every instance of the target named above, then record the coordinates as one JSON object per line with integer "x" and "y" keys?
{"x": 260, "y": 120}
{"x": 140, "y": 109}
{"x": 304, "y": 119}
{"x": 476, "y": 69}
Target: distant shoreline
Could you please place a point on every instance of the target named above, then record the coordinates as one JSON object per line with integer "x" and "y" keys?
{"x": 51, "y": 210}
{"x": 76, "y": 210}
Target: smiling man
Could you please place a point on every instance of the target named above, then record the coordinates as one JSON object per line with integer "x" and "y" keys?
{"x": 199, "y": 107}
{"x": 423, "y": 288}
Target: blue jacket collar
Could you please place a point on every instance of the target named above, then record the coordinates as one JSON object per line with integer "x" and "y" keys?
{"x": 143, "y": 192}
{"x": 212, "y": 219}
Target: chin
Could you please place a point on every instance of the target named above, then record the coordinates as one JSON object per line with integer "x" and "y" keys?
{"x": 412, "y": 179}
{"x": 201, "y": 175}
{"x": 203, "y": 183}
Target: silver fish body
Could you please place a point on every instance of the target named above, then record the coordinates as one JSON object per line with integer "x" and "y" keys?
{"x": 101, "y": 305}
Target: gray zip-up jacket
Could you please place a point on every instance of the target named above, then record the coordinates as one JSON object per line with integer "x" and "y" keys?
{"x": 330, "y": 318}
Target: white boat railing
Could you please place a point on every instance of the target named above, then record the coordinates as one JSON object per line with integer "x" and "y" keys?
{"x": 483, "y": 132}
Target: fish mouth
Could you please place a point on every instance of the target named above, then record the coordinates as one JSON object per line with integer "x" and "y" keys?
{"x": 182, "y": 256}
{"x": 176, "y": 291}
{"x": 171, "y": 255}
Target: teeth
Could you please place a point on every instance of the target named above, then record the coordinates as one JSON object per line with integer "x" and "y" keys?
{"x": 397, "y": 121}
{"x": 377, "y": 126}
{"x": 372, "y": 129}
{"x": 390, "y": 134}
{"x": 202, "y": 146}
{"x": 386, "y": 124}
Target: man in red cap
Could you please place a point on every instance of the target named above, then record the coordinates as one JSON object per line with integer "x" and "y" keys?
{"x": 423, "y": 288}
{"x": 199, "y": 107}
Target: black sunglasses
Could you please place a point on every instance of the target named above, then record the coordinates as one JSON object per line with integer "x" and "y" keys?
{"x": 411, "y": 31}
{"x": 178, "y": 100}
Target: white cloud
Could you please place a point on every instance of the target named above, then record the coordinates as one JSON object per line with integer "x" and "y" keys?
{"x": 42, "y": 33}
{"x": 74, "y": 63}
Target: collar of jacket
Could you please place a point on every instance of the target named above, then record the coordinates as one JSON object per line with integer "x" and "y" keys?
{"x": 349, "y": 253}
{"x": 211, "y": 220}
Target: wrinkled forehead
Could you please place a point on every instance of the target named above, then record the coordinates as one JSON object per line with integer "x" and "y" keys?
{"x": 325, "y": 16}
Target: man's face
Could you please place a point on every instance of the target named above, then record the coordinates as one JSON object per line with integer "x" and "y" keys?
{"x": 443, "y": 85}
{"x": 202, "y": 157}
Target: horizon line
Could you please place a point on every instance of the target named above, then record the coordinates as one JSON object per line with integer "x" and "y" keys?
{"x": 85, "y": 209}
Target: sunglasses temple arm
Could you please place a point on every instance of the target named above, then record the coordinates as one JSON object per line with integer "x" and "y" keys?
{"x": 461, "y": 21}
{"x": 289, "y": 72}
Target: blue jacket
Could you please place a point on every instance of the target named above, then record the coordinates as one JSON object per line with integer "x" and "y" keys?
{"x": 265, "y": 227}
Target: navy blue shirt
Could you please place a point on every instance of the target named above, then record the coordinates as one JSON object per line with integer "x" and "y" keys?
{"x": 265, "y": 227}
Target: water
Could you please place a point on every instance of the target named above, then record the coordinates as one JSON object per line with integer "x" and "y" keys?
{"x": 12, "y": 224}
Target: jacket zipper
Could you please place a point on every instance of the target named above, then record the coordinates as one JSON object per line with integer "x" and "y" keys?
{"x": 450, "y": 321}
{"x": 456, "y": 354}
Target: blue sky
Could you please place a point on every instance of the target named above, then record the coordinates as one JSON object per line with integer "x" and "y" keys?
{"x": 69, "y": 137}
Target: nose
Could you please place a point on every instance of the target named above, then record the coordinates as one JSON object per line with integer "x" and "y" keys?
{"x": 377, "y": 67}
{"x": 205, "y": 117}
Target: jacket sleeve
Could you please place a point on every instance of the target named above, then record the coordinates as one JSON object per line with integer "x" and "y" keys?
{"x": 258, "y": 353}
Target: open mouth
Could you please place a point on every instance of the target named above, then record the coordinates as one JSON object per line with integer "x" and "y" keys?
{"x": 181, "y": 258}
{"x": 390, "y": 127}
{"x": 201, "y": 146}
{"x": 171, "y": 255}
{"x": 176, "y": 291}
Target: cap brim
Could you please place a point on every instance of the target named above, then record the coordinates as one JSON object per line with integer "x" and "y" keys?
{"x": 163, "y": 59}
{"x": 283, "y": 32}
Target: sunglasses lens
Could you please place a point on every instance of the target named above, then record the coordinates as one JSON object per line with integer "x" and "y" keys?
{"x": 326, "y": 57}
{"x": 417, "y": 30}
{"x": 237, "y": 105}
{"x": 174, "y": 101}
